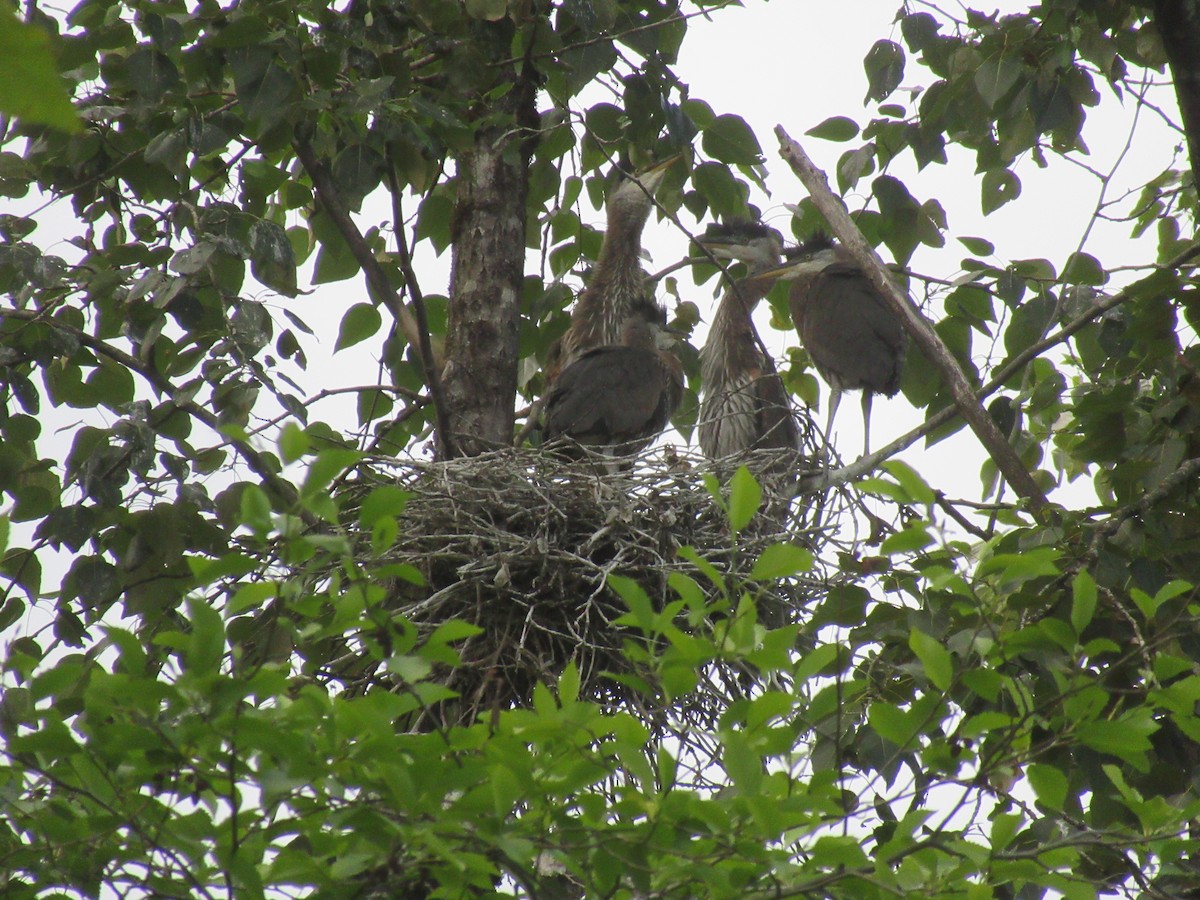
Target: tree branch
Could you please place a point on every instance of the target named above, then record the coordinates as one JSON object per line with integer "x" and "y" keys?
{"x": 432, "y": 378}
{"x": 377, "y": 280}
{"x": 914, "y": 323}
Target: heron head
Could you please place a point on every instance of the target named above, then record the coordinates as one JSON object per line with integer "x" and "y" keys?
{"x": 646, "y": 327}
{"x": 634, "y": 194}
{"x": 754, "y": 243}
{"x": 808, "y": 258}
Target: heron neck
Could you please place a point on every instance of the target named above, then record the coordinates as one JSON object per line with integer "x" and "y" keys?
{"x": 731, "y": 346}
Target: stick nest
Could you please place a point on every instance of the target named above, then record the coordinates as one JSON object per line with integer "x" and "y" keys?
{"x": 520, "y": 543}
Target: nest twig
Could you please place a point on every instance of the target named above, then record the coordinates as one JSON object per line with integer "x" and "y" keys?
{"x": 520, "y": 543}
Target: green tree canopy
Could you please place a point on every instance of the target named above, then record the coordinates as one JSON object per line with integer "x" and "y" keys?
{"x": 247, "y": 653}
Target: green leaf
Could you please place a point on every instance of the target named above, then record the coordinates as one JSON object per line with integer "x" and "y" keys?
{"x": 854, "y": 165}
{"x": 255, "y": 508}
{"x": 884, "y": 65}
{"x": 293, "y": 442}
{"x": 30, "y": 86}
{"x": 151, "y": 74}
{"x": 1004, "y": 829}
{"x": 995, "y": 77}
{"x": 919, "y": 31}
{"x": 385, "y": 500}
{"x": 745, "y": 497}
{"x": 357, "y": 171}
{"x": 264, "y": 88}
{"x": 780, "y": 561}
{"x": 335, "y": 260}
{"x": 112, "y": 384}
{"x": 272, "y": 259}
{"x": 915, "y": 536}
{"x": 741, "y": 763}
{"x": 892, "y": 723}
{"x": 729, "y": 139}
{"x": 835, "y": 851}
{"x": 1173, "y": 589}
{"x": 835, "y": 128}
{"x": 1083, "y": 601}
{"x": 1049, "y": 784}
{"x": 999, "y": 186}
{"x": 568, "y": 684}
{"x": 977, "y": 245}
{"x": 206, "y": 640}
{"x": 1127, "y": 739}
{"x": 252, "y": 596}
{"x": 635, "y": 598}
{"x": 23, "y": 568}
{"x": 1083, "y": 268}
{"x": 916, "y": 488}
{"x": 936, "y": 659}
{"x": 328, "y": 465}
{"x": 361, "y": 321}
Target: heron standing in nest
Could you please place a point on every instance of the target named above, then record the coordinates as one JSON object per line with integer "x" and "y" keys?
{"x": 617, "y": 288}
{"x": 615, "y": 400}
{"x": 854, "y": 340}
{"x": 745, "y": 405}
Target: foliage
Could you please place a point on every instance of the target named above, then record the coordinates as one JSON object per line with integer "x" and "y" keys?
{"x": 979, "y": 704}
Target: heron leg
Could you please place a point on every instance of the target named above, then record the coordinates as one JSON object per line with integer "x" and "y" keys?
{"x": 866, "y": 407}
{"x": 835, "y": 397}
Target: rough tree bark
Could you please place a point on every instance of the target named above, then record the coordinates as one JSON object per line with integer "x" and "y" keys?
{"x": 480, "y": 375}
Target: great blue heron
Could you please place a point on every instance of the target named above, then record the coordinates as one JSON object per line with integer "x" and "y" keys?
{"x": 617, "y": 287}
{"x": 745, "y": 405}
{"x": 617, "y": 399}
{"x": 853, "y": 339}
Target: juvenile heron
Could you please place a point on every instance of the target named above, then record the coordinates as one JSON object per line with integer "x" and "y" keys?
{"x": 745, "y": 405}
{"x": 853, "y": 339}
{"x": 617, "y": 399}
{"x": 618, "y": 283}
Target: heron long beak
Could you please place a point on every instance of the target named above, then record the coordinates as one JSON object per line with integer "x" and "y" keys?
{"x": 793, "y": 270}
{"x": 652, "y": 177}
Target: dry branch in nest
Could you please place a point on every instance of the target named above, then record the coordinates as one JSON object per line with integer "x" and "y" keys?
{"x": 520, "y": 543}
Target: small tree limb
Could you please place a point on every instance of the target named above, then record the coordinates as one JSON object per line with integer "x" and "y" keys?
{"x": 432, "y": 378}
{"x": 415, "y": 329}
{"x": 834, "y": 210}
{"x": 377, "y": 280}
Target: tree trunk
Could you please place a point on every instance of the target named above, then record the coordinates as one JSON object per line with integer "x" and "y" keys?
{"x": 480, "y": 375}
